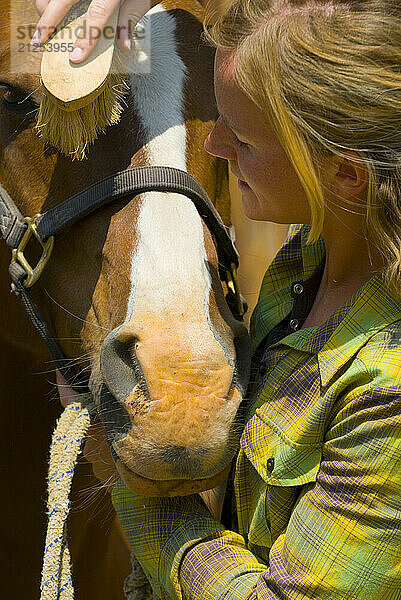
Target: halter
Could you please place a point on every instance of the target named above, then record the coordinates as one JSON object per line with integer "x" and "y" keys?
{"x": 17, "y": 231}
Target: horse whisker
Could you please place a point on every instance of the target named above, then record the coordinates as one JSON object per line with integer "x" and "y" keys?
{"x": 73, "y": 315}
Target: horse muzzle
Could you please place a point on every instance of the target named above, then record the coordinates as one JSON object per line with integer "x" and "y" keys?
{"x": 169, "y": 415}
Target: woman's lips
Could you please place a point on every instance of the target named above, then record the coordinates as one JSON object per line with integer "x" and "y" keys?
{"x": 243, "y": 185}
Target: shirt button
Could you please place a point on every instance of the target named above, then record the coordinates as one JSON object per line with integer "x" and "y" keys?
{"x": 294, "y": 324}
{"x": 270, "y": 464}
{"x": 262, "y": 368}
{"x": 298, "y": 288}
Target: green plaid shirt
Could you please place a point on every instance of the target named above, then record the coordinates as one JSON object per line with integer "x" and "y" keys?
{"x": 318, "y": 476}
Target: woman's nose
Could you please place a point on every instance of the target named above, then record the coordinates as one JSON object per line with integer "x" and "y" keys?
{"x": 218, "y": 142}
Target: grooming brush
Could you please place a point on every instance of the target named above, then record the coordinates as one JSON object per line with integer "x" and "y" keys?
{"x": 80, "y": 99}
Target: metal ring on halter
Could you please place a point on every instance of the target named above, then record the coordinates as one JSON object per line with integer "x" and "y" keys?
{"x": 33, "y": 273}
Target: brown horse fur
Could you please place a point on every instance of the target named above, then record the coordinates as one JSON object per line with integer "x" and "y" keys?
{"x": 74, "y": 295}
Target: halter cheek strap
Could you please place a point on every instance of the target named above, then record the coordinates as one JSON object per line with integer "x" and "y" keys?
{"x": 17, "y": 231}
{"x": 12, "y": 225}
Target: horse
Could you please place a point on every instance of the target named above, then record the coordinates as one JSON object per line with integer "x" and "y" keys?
{"x": 135, "y": 283}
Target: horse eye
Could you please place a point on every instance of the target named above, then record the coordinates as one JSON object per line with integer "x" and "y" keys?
{"x": 17, "y": 99}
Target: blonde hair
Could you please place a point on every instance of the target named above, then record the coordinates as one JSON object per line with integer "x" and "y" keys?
{"x": 327, "y": 73}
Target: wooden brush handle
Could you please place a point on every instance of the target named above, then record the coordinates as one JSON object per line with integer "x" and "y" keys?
{"x": 74, "y": 85}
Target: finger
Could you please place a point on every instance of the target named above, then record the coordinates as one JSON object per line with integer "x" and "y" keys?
{"x": 54, "y": 12}
{"x": 41, "y": 6}
{"x": 99, "y": 12}
{"x": 67, "y": 394}
{"x": 96, "y": 446}
{"x": 214, "y": 499}
{"x": 96, "y": 451}
{"x": 131, "y": 12}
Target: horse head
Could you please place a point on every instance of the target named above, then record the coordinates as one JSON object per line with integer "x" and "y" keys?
{"x": 132, "y": 291}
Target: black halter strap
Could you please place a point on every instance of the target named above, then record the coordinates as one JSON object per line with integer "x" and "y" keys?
{"x": 17, "y": 230}
{"x": 138, "y": 181}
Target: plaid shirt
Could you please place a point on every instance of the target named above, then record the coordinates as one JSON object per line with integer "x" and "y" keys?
{"x": 318, "y": 475}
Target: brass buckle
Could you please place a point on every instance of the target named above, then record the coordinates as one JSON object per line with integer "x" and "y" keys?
{"x": 34, "y": 273}
{"x": 232, "y": 284}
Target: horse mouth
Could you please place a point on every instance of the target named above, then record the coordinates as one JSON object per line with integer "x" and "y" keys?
{"x": 170, "y": 487}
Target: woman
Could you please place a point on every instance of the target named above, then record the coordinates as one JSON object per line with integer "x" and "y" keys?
{"x": 310, "y": 113}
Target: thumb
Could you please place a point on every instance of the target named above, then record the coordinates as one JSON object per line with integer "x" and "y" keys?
{"x": 67, "y": 394}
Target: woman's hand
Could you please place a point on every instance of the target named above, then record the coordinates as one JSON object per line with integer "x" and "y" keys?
{"x": 96, "y": 449}
{"x": 99, "y": 12}
{"x": 160, "y": 528}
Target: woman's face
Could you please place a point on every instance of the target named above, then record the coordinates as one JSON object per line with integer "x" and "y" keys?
{"x": 271, "y": 190}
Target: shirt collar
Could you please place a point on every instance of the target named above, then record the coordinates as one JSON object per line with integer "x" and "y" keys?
{"x": 370, "y": 309}
{"x": 296, "y": 258}
{"x": 367, "y": 311}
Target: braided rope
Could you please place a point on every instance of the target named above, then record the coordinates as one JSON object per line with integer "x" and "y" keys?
{"x": 65, "y": 448}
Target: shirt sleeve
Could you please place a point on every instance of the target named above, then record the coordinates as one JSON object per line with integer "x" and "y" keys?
{"x": 343, "y": 540}
{"x": 161, "y": 532}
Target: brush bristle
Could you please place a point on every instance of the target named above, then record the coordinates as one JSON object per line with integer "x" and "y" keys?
{"x": 71, "y": 132}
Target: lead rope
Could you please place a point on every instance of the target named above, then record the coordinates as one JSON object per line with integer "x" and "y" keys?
{"x": 66, "y": 444}
{"x": 65, "y": 447}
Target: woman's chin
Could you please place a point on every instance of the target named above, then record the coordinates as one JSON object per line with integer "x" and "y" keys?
{"x": 255, "y": 212}
{"x": 251, "y": 206}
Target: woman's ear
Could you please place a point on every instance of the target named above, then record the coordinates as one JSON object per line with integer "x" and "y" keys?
{"x": 349, "y": 176}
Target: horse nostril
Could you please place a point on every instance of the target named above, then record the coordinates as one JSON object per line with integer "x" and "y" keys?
{"x": 120, "y": 368}
{"x": 126, "y": 335}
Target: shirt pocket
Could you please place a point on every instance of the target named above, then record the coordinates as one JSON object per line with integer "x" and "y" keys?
{"x": 279, "y": 460}
{"x": 285, "y": 467}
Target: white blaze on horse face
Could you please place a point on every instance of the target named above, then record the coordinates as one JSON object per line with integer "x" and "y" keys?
{"x": 169, "y": 267}
{"x": 188, "y": 372}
